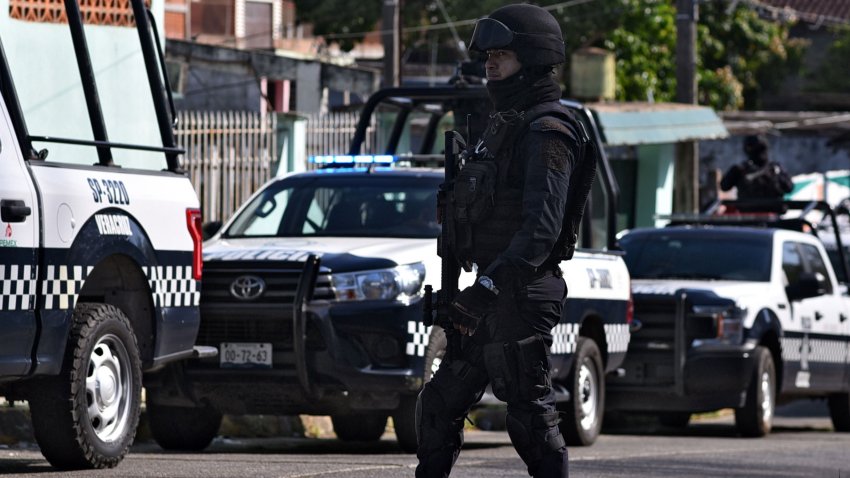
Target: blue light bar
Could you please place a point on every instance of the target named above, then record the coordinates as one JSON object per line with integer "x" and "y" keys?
{"x": 348, "y": 159}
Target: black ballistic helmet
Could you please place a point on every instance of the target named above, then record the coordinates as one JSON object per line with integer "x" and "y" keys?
{"x": 755, "y": 144}
{"x": 530, "y": 31}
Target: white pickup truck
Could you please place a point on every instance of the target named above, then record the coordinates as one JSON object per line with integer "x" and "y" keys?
{"x": 99, "y": 259}
{"x": 735, "y": 316}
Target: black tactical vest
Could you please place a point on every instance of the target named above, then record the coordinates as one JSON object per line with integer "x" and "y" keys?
{"x": 497, "y": 208}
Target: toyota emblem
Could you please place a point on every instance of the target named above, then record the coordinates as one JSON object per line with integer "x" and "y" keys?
{"x": 247, "y": 287}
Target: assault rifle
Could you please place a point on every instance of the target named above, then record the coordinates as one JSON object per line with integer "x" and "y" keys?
{"x": 438, "y": 311}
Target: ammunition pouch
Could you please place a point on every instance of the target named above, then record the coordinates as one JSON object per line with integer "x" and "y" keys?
{"x": 473, "y": 191}
{"x": 519, "y": 371}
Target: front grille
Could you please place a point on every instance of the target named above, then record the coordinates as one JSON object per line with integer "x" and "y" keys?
{"x": 651, "y": 358}
{"x": 266, "y": 319}
{"x": 281, "y": 281}
{"x": 652, "y": 349}
{"x": 657, "y": 332}
{"x": 215, "y": 330}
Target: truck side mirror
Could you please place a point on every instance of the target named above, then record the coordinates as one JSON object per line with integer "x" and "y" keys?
{"x": 210, "y": 229}
{"x": 810, "y": 284}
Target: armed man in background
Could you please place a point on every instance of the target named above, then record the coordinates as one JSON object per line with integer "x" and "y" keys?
{"x": 757, "y": 177}
{"x": 515, "y": 209}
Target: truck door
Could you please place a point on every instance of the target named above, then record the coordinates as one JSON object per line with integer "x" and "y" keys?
{"x": 818, "y": 354}
{"x": 18, "y": 246}
{"x": 829, "y": 348}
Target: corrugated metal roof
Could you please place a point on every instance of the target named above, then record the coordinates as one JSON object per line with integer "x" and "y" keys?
{"x": 624, "y": 124}
{"x": 813, "y": 11}
{"x": 822, "y": 122}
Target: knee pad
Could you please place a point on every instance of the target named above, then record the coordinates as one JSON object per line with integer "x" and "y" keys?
{"x": 535, "y": 436}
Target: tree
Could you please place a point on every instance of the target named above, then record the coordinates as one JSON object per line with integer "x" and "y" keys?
{"x": 343, "y": 21}
{"x": 739, "y": 54}
{"x": 833, "y": 73}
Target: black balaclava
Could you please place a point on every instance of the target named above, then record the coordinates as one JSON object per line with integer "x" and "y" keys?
{"x": 527, "y": 87}
{"x": 755, "y": 147}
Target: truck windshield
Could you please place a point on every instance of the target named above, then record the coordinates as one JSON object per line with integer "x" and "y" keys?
{"x": 365, "y": 206}
{"x": 699, "y": 257}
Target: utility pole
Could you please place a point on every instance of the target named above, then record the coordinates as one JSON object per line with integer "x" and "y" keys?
{"x": 686, "y": 170}
{"x": 391, "y": 34}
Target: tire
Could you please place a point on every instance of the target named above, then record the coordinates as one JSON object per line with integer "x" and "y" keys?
{"x": 583, "y": 414}
{"x": 101, "y": 365}
{"x": 404, "y": 418}
{"x": 839, "y": 411}
{"x": 675, "y": 419}
{"x": 361, "y": 427}
{"x": 755, "y": 418}
{"x": 183, "y": 428}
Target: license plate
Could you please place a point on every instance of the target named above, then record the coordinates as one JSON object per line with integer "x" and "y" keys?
{"x": 245, "y": 355}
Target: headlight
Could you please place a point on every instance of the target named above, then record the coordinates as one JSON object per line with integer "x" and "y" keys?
{"x": 398, "y": 283}
{"x": 728, "y": 322}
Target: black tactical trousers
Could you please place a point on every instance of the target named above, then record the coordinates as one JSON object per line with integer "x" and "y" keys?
{"x": 459, "y": 383}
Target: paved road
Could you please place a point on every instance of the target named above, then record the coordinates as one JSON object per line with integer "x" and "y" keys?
{"x": 801, "y": 446}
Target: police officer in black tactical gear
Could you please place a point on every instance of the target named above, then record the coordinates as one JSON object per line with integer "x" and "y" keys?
{"x": 757, "y": 177}
{"x": 511, "y": 203}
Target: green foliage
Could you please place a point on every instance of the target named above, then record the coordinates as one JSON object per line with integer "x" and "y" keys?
{"x": 739, "y": 54}
{"x": 834, "y": 72}
{"x": 645, "y": 47}
{"x": 339, "y": 18}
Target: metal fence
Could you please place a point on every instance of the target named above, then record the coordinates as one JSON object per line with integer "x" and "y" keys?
{"x": 229, "y": 155}
{"x": 331, "y": 133}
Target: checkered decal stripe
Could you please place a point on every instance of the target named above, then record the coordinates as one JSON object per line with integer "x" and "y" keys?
{"x": 617, "y": 336}
{"x": 173, "y": 286}
{"x": 820, "y": 350}
{"x": 62, "y": 285}
{"x": 18, "y": 287}
{"x": 419, "y": 334}
{"x": 564, "y": 338}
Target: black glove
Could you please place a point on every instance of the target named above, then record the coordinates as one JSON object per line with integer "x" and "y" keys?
{"x": 471, "y": 305}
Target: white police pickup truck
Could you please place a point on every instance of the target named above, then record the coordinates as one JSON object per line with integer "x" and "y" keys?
{"x": 99, "y": 263}
{"x": 735, "y": 315}
{"x": 313, "y": 293}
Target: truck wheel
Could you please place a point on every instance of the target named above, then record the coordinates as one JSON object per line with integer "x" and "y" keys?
{"x": 583, "y": 417}
{"x": 755, "y": 419}
{"x": 86, "y": 416}
{"x": 362, "y": 427}
{"x": 404, "y": 418}
{"x": 183, "y": 428}
{"x": 839, "y": 410}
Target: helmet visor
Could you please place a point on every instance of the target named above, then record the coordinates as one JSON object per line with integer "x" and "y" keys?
{"x": 490, "y": 34}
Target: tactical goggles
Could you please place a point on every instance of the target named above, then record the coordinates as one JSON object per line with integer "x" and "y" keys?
{"x": 490, "y": 34}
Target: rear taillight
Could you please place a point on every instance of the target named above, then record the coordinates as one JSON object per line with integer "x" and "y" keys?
{"x": 193, "y": 223}
{"x": 630, "y": 308}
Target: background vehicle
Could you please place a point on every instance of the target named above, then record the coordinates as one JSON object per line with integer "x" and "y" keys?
{"x": 99, "y": 267}
{"x": 738, "y": 316}
{"x": 313, "y": 293}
